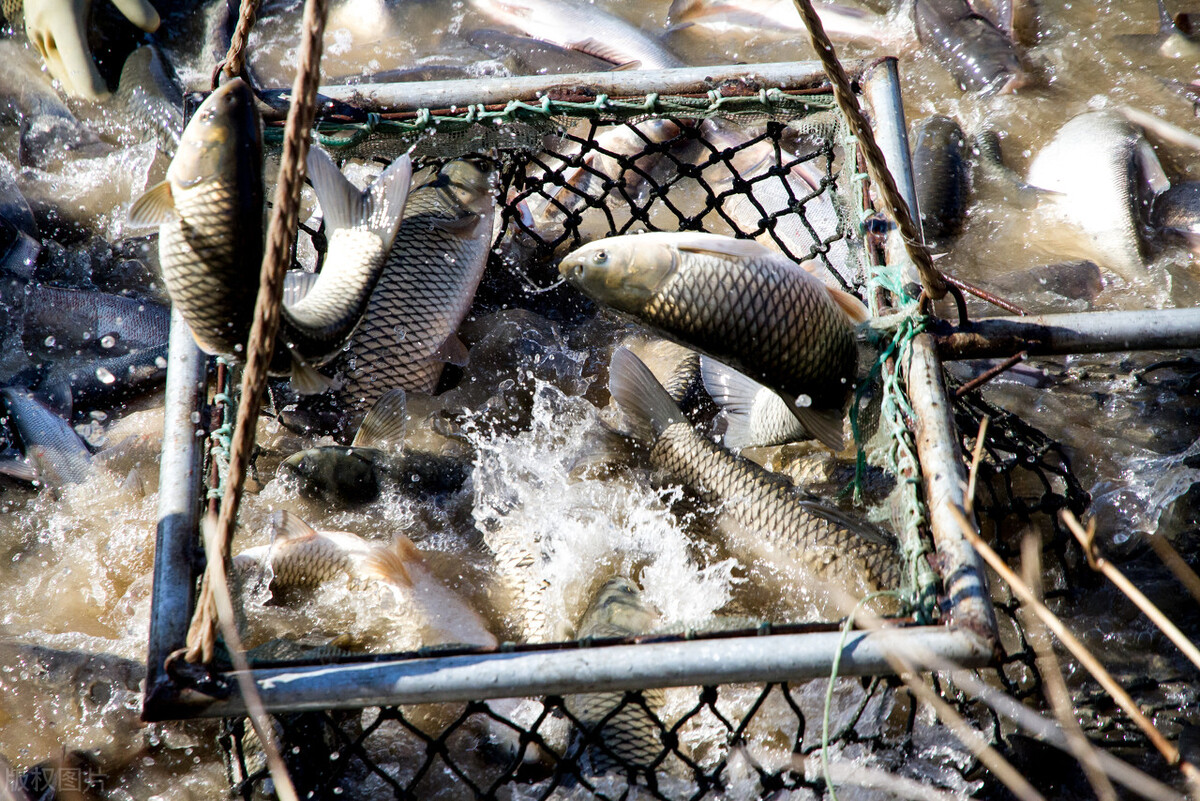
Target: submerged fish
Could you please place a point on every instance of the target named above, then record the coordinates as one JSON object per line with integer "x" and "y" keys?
{"x": 769, "y": 520}
{"x": 941, "y": 172}
{"x": 54, "y": 453}
{"x": 151, "y": 93}
{"x": 210, "y": 211}
{"x": 374, "y": 462}
{"x": 615, "y": 735}
{"x": 300, "y": 557}
{"x": 319, "y": 316}
{"x": 581, "y": 26}
{"x": 428, "y": 283}
{"x": 1105, "y": 174}
{"x": 103, "y": 383}
{"x": 524, "y": 55}
{"x": 1177, "y": 211}
{"x": 977, "y": 53}
{"x": 738, "y": 302}
{"x": 60, "y": 322}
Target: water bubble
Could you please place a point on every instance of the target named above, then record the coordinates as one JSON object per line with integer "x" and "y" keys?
{"x": 195, "y": 418}
{"x": 50, "y": 341}
{"x": 105, "y": 376}
{"x": 108, "y": 341}
{"x": 160, "y": 362}
{"x": 803, "y": 401}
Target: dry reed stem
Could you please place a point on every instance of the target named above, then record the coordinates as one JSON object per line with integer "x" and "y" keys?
{"x": 1079, "y": 651}
{"x": 1087, "y": 538}
{"x": 1053, "y": 685}
{"x": 1175, "y": 563}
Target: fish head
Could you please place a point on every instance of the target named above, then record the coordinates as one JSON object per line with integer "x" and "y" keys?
{"x": 224, "y": 130}
{"x": 469, "y": 183}
{"x": 333, "y": 473}
{"x": 622, "y": 272}
{"x": 618, "y": 607}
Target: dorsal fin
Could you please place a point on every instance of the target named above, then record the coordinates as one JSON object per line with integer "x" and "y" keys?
{"x": 854, "y": 308}
{"x": 288, "y": 528}
{"x": 717, "y": 245}
{"x": 385, "y": 423}
{"x": 647, "y": 406}
{"x": 392, "y": 563}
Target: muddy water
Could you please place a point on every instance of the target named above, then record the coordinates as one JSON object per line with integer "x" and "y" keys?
{"x": 76, "y": 572}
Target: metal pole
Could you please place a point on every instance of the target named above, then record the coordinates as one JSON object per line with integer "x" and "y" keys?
{"x": 881, "y": 87}
{"x": 176, "y": 548}
{"x": 1086, "y": 332}
{"x": 390, "y": 97}
{"x": 942, "y": 468}
{"x": 782, "y": 657}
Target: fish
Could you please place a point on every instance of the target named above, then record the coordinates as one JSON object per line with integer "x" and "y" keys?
{"x": 211, "y": 219}
{"x": 1177, "y": 211}
{"x": 614, "y": 735}
{"x": 1076, "y": 280}
{"x": 1177, "y": 36}
{"x": 54, "y": 453}
{"x": 1106, "y": 175}
{"x": 581, "y": 26}
{"x": 524, "y": 55}
{"x": 755, "y": 417}
{"x": 300, "y": 557}
{"x": 429, "y": 280}
{"x": 71, "y": 700}
{"x": 739, "y": 302}
{"x": 767, "y": 519}
{"x": 977, "y": 53}
{"x": 319, "y": 316}
{"x": 60, "y": 322}
{"x": 989, "y": 168}
{"x": 841, "y": 22}
{"x": 151, "y": 94}
{"x": 14, "y": 209}
{"x": 941, "y": 172}
{"x": 79, "y": 385}
{"x": 374, "y": 461}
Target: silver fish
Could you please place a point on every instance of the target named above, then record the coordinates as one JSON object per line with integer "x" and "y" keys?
{"x": 54, "y": 453}
{"x": 581, "y": 26}
{"x": 975, "y": 51}
{"x": 614, "y": 735}
{"x": 768, "y": 519}
{"x": 738, "y": 302}
{"x": 151, "y": 93}
{"x": 1105, "y": 174}
{"x": 755, "y": 416}
{"x": 428, "y": 283}
{"x": 60, "y": 322}
{"x": 841, "y": 21}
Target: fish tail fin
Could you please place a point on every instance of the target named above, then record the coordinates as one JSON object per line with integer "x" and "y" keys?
{"x": 306, "y": 379}
{"x": 647, "y": 406}
{"x": 824, "y": 424}
{"x": 735, "y": 394}
{"x": 851, "y": 306}
{"x": 378, "y": 208}
{"x": 386, "y": 422}
{"x": 393, "y": 564}
{"x": 683, "y": 13}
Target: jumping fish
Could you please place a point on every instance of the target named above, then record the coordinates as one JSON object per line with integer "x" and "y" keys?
{"x": 977, "y": 53}
{"x": 840, "y": 21}
{"x": 740, "y": 303}
{"x": 769, "y": 519}
{"x": 941, "y": 172}
{"x": 754, "y": 415}
{"x": 150, "y": 91}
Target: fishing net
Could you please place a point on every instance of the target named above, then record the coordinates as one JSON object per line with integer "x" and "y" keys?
{"x": 765, "y": 164}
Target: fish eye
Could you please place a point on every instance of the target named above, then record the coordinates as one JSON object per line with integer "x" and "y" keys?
{"x": 599, "y": 257}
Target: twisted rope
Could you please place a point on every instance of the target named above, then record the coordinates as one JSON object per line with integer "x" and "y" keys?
{"x": 234, "y": 62}
{"x": 931, "y": 280}
{"x": 280, "y": 234}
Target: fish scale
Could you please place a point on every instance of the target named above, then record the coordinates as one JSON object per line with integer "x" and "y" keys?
{"x": 427, "y": 287}
{"x": 748, "y": 321}
{"x": 773, "y": 517}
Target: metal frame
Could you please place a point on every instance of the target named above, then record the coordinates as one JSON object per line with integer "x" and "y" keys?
{"x": 968, "y": 638}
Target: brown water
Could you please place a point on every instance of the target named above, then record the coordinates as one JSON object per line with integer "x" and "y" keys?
{"x": 78, "y": 560}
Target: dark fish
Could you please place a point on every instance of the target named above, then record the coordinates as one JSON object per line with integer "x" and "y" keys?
{"x": 211, "y": 215}
{"x": 617, "y": 736}
{"x": 374, "y": 462}
{"x": 989, "y": 167}
{"x": 428, "y": 283}
{"x": 1076, "y": 280}
{"x": 738, "y": 302}
{"x": 14, "y": 209}
{"x": 941, "y": 173}
{"x": 54, "y": 453}
{"x": 771, "y": 521}
{"x": 977, "y": 53}
{"x": 151, "y": 93}
{"x": 60, "y": 322}
{"x": 104, "y": 383}
{"x": 1177, "y": 210}
{"x": 527, "y": 56}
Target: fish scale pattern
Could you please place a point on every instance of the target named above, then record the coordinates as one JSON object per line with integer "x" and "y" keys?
{"x": 425, "y": 290}
{"x": 773, "y": 519}
{"x": 759, "y": 298}
{"x": 211, "y": 257}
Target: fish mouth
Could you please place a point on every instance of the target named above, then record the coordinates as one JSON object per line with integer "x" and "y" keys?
{"x": 571, "y": 270}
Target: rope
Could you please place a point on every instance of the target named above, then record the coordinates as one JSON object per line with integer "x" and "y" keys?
{"x": 234, "y": 62}
{"x": 280, "y": 233}
{"x": 931, "y": 280}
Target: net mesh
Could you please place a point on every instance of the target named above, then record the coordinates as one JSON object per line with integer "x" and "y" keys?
{"x": 774, "y": 168}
